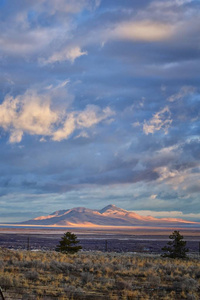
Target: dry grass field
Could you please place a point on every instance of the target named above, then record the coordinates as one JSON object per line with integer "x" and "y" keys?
{"x": 96, "y": 275}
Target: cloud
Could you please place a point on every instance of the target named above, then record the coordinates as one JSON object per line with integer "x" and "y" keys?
{"x": 184, "y": 91}
{"x": 161, "y": 120}
{"x": 169, "y": 3}
{"x": 25, "y": 33}
{"x": 169, "y": 214}
{"x": 166, "y": 173}
{"x": 20, "y": 42}
{"x": 182, "y": 180}
{"x": 32, "y": 113}
{"x": 66, "y": 54}
{"x": 66, "y": 130}
{"x": 147, "y": 30}
{"x": 93, "y": 115}
{"x": 16, "y": 136}
{"x": 87, "y": 118}
{"x": 69, "y": 6}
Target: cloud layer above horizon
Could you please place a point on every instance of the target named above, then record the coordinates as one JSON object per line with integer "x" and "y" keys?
{"x": 100, "y": 104}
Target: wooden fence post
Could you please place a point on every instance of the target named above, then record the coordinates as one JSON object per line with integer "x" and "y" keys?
{"x": 199, "y": 248}
{"x": 1, "y": 294}
{"x": 106, "y": 245}
{"x": 28, "y": 243}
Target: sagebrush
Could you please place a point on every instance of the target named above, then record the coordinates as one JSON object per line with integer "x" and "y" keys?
{"x": 96, "y": 275}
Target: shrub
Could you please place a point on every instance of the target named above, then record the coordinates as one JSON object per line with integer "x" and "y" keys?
{"x": 31, "y": 275}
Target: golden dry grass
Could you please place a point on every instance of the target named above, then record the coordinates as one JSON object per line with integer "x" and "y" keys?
{"x": 96, "y": 275}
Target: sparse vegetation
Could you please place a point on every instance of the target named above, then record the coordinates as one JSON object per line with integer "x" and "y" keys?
{"x": 96, "y": 275}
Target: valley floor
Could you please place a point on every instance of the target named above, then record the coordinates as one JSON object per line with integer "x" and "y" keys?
{"x": 129, "y": 240}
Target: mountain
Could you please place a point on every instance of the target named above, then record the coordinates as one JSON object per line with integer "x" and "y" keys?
{"x": 110, "y": 215}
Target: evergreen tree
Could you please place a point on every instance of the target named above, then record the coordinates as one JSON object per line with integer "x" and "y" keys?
{"x": 68, "y": 244}
{"x": 176, "y": 247}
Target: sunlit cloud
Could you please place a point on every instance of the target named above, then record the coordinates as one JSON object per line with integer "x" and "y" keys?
{"x": 183, "y": 180}
{"x": 166, "y": 173}
{"x": 184, "y": 91}
{"x": 161, "y": 120}
{"x": 66, "y": 130}
{"x": 169, "y": 214}
{"x": 66, "y": 54}
{"x": 32, "y": 113}
{"x": 87, "y": 118}
{"x": 148, "y": 31}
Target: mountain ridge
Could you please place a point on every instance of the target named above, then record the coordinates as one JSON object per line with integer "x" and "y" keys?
{"x": 111, "y": 215}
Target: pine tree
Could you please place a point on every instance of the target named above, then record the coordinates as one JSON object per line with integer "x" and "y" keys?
{"x": 176, "y": 247}
{"x": 68, "y": 244}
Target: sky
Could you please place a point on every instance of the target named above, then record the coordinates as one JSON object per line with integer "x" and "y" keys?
{"x": 99, "y": 104}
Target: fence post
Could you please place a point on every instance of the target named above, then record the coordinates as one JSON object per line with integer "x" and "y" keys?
{"x": 199, "y": 248}
{"x": 28, "y": 243}
{"x": 1, "y": 294}
{"x": 106, "y": 245}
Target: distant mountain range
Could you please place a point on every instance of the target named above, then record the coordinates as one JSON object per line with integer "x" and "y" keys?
{"x": 110, "y": 215}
